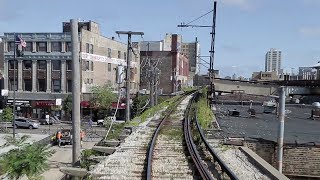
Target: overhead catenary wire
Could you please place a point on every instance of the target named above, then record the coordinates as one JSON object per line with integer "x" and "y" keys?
{"x": 199, "y": 17}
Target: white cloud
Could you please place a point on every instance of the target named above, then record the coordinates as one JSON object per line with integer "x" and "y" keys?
{"x": 310, "y": 31}
{"x": 243, "y": 4}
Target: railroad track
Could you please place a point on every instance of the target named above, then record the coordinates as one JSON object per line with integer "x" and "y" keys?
{"x": 197, "y": 160}
{"x": 166, "y": 156}
{"x": 129, "y": 160}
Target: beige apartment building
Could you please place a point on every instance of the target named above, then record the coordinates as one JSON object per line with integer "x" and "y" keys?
{"x": 44, "y": 73}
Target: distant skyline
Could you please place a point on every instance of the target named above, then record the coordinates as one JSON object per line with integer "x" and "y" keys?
{"x": 245, "y": 31}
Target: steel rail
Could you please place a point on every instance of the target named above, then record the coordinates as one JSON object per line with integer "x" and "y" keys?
{"x": 203, "y": 171}
{"x": 155, "y": 135}
{"x": 223, "y": 166}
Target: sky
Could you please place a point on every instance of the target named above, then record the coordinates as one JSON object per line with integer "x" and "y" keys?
{"x": 245, "y": 29}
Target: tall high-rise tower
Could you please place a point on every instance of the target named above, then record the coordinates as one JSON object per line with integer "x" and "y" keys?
{"x": 273, "y": 61}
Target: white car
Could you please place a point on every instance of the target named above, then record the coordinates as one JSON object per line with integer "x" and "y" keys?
{"x": 100, "y": 122}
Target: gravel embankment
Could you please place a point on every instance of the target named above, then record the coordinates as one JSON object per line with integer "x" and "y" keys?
{"x": 237, "y": 161}
{"x": 127, "y": 162}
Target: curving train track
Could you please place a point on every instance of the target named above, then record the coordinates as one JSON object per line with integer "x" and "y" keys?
{"x": 163, "y": 148}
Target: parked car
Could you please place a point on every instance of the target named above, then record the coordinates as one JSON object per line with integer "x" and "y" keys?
{"x": 44, "y": 121}
{"x": 26, "y": 123}
{"x": 100, "y": 122}
{"x": 52, "y": 120}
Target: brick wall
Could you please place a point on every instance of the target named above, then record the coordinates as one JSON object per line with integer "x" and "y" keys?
{"x": 301, "y": 160}
{"x": 265, "y": 149}
{"x": 298, "y": 160}
{"x": 165, "y": 66}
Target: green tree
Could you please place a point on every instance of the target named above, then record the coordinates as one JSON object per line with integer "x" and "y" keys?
{"x": 103, "y": 97}
{"x": 67, "y": 106}
{"x": 27, "y": 159}
{"x": 140, "y": 104}
{"x": 7, "y": 116}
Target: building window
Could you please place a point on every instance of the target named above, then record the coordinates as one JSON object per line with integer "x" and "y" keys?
{"x": 27, "y": 85}
{"x": 27, "y": 64}
{"x": 42, "y": 85}
{"x": 42, "y": 64}
{"x": 56, "y": 46}
{"x": 86, "y": 67}
{"x": 29, "y": 47}
{"x": 56, "y": 65}
{"x": 109, "y": 53}
{"x": 69, "y": 65}
{"x": 12, "y": 63}
{"x": 10, "y": 46}
{"x": 119, "y": 54}
{"x": 69, "y": 86}
{"x": 68, "y": 47}
{"x": 56, "y": 85}
{"x": 91, "y": 65}
{"x": 89, "y": 48}
{"x": 124, "y": 55}
{"x": 41, "y": 46}
{"x": 13, "y": 86}
{"x": 109, "y": 67}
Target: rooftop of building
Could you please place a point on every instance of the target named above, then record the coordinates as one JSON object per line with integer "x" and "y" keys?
{"x": 65, "y": 31}
{"x": 299, "y": 127}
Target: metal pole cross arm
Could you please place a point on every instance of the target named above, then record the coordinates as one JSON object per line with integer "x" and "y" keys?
{"x": 130, "y": 32}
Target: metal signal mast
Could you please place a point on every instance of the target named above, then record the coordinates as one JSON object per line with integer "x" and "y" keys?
{"x": 211, "y": 92}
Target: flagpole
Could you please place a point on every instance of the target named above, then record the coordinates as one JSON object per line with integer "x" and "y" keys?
{"x": 14, "y": 87}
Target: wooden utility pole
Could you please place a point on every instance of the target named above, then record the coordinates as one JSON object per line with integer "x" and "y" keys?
{"x": 129, "y": 33}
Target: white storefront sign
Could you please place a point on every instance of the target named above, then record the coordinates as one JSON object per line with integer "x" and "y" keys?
{"x": 4, "y": 92}
{"x": 94, "y": 57}
{"x": 58, "y": 102}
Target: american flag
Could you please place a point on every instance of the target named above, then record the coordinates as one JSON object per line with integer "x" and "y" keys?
{"x": 20, "y": 41}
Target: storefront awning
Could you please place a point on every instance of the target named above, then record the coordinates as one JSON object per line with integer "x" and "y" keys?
{"x": 85, "y": 104}
{"x": 44, "y": 104}
{"x": 120, "y": 105}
